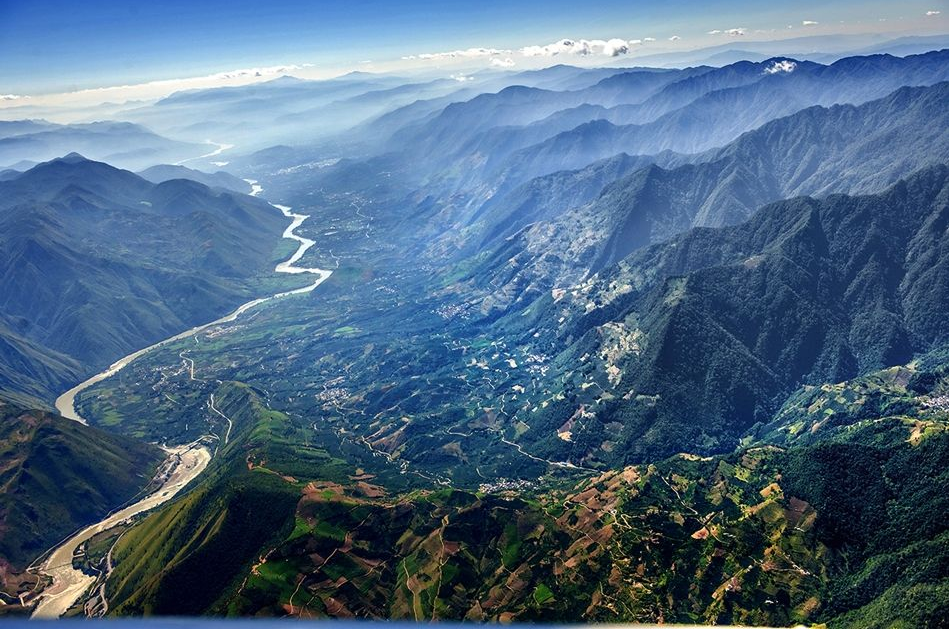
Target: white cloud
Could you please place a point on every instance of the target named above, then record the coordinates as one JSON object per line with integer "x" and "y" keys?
{"x": 210, "y": 80}
{"x": 610, "y": 48}
{"x": 785, "y": 65}
{"x": 461, "y": 78}
{"x": 254, "y": 72}
{"x": 932, "y": 12}
{"x": 160, "y": 88}
{"x": 736, "y": 32}
{"x": 715, "y": 32}
{"x": 470, "y": 53}
{"x": 11, "y": 97}
{"x": 501, "y": 58}
{"x": 647, "y": 39}
{"x": 808, "y": 23}
{"x": 675, "y": 38}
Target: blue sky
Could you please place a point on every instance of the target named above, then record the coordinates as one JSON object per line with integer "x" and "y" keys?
{"x": 62, "y": 46}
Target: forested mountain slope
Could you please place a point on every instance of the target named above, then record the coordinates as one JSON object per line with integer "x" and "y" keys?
{"x": 816, "y": 151}
{"x": 690, "y": 343}
{"x": 98, "y": 262}
{"x": 57, "y": 475}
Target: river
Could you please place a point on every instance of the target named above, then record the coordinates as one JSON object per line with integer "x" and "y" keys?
{"x": 184, "y": 463}
{"x": 220, "y": 149}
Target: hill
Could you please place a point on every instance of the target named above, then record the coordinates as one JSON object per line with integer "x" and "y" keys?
{"x": 220, "y": 179}
{"x": 100, "y": 262}
{"x": 57, "y": 475}
{"x": 764, "y": 536}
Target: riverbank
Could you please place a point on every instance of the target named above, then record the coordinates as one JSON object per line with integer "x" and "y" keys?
{"x": 69, "y": 584}
{"x": 188, "y": 461}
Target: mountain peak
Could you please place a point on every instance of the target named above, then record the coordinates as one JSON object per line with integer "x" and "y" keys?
{"x": 72, "y": 158}
{"x": 285, "y": 79}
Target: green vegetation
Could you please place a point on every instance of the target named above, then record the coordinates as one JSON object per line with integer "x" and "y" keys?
{"x": 486, "y": 425}
{"x": 107, "y": 263}
{"x": 542, "y": 594}
{"x": 245, "y": 501}
{"x": 766, "y": 536}
{"x": 716, "y": 343}
{"x": 503, "y": 558}
{"x": 43, "y": 458}
{"x": 880, "y": 515}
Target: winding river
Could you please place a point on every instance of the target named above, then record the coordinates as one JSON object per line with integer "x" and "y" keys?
{"x": 184, "y": 463}
{"x": 220, "y": 149}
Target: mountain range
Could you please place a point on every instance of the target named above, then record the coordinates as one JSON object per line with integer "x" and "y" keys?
{"x": 817, "y": 151}
{"x": 695, "y": 341}
{"x": 520, "y": 132}
{"x": 655, "y": 345}
{"x": 122, "y": 144}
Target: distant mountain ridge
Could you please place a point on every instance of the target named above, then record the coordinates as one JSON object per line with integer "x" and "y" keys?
{"x": 123, "y": 144}
{"x": 816, "y": 151}
{"x": 719, "y": 115}
{"x": 220, "y": 179}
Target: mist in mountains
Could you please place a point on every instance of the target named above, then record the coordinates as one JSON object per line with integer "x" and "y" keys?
{"x": 655, "y": 338}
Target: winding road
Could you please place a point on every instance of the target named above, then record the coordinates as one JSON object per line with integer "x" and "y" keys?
{"x": 184, "y": 463}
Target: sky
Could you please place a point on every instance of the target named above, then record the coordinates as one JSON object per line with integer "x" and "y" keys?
{"x": 93, "y": 50}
